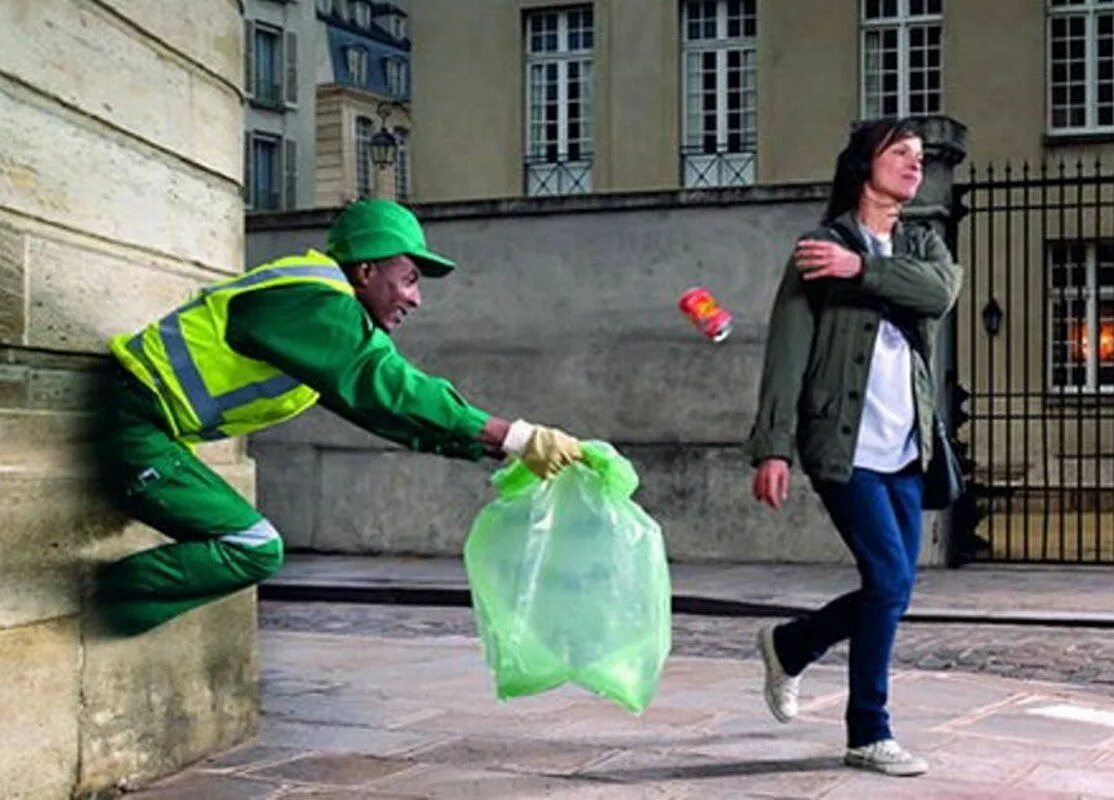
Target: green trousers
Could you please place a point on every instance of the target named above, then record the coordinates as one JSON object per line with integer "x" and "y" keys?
{"x": 222, "y": 542}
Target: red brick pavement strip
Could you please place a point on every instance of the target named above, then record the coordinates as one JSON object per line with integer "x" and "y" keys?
{"x": 1066, "y": 655}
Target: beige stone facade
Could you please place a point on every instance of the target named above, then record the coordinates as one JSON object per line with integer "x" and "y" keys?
{"x": 346, "y": 119}
{"x": 120, "y": 192}
{"x": 470, "y": 123}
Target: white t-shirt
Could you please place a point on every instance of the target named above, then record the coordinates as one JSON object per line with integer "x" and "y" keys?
{"x": 887, "y": 435}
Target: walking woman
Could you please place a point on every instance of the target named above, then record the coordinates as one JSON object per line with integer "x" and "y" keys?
{"x": 847, "y": 382}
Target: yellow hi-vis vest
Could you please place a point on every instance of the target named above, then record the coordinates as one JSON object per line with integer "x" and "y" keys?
{"x": 208, "y": 390}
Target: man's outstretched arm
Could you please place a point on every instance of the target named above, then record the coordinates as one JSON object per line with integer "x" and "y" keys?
{"x": 326, "y": 340}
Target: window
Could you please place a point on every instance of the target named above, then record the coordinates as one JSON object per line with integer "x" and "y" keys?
{"x": 396, "y": 26}
{"x": 1081, "y": 65}
{"x": 355, "y": 59}
{"x": 1081, "y": 316}
{"x": 720, "y": 114}
{"x": 901, "y": 57}
{"x": 361, "y": 13}
{"x": 402, "y": 164}
{"x": 264, "y": 174}
{"x": 364, "y": 131}
{"x": 270, "y": 67}
{"x": 266, "y": 86}
{"x": 396, "y": 77}
{"x": 559, "y": 101}
{"x": 393, "y": 21}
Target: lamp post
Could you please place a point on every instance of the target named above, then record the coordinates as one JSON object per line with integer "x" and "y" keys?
{"x": 384, "y": 152}
{"x": 384, "y": 148}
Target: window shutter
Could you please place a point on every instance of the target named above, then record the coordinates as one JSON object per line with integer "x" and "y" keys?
{"x": 247, "y": 168}
{"x": 291, "y": 68}
{"x": 249, "y": 52}
{"x": 290, "y": 166}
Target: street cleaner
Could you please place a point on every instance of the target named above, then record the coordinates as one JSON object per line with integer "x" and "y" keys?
{"x": 253, "y": 351}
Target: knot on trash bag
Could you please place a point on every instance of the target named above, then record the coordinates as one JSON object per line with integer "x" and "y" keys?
{"x": 613, "y": 474}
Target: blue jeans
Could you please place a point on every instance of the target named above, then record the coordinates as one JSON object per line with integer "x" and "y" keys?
{"x": 879, "y": 517}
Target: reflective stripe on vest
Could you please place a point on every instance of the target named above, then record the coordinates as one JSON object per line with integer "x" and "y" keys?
{"x": 208, "y": 407}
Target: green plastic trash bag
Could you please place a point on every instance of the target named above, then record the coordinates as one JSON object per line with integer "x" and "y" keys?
{"x": 570, "y": 582}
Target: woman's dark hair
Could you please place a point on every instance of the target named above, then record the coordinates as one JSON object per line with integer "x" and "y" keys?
{"x": 853, "y": 165}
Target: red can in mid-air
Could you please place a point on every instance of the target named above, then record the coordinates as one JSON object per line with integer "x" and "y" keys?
{"x": 701, "y": 307}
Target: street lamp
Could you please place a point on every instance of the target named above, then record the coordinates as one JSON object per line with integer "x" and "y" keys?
{"x": 384, "y": 148}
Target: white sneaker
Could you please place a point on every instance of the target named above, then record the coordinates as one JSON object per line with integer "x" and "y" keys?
{"x": 886, "y": 756}
{"x": 781, "y": 689}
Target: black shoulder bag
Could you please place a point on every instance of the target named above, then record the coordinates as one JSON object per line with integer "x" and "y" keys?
{"x": 943, "y": 480}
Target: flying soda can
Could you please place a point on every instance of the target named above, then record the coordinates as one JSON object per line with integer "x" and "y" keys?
{"x": 701, "y": 307}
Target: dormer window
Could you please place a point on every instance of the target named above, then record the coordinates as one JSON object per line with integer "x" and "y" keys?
{"x": 396, "y": 25}
{"x": 391, "y": 19}
{"x": 396, "y": 77}
{"x": 356, "y": 60}
{"x": 361, "y": 13}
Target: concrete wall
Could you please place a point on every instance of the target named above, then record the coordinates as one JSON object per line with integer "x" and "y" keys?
{"x": 563, "y": 312}
{"x": 119, "y": 192}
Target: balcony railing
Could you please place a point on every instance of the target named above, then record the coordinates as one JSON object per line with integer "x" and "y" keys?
{"x": 701, "y": 170}
{"x": 267, "y": 93}
{"x": 558, "y": 177}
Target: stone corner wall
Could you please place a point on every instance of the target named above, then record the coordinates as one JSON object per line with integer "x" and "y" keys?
{"x": 119, "y": 193}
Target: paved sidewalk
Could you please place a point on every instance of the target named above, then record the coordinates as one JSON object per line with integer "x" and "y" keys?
{"x": 978, "y": 593}
{"x": 352, "y": 716}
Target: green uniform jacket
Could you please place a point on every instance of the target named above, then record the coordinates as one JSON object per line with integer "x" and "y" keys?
{"x": 327, "y": 341}
{"x": 821, "y": 339}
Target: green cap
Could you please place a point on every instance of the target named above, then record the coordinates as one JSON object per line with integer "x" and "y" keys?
{"x": 369, "y": 230}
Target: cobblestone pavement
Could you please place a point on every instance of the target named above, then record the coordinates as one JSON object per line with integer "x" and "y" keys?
{"x": 1066, "y": 655}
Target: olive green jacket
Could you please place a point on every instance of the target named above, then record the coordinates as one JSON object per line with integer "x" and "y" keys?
{"x": 821, "y": 339}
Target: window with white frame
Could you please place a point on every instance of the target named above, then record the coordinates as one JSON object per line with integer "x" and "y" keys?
{"x": 364, "y": 131}
{"x": 720, "y": 116}
{"x": 559, "y": 101}
{"x": 355, "y": 59}
{"x": 1080, "y": 65}
{"x": 402, "y": 163}
{"x": 901, "y": 71}
{"x": 396, "y": 77}
{"x": 361, "y": 13}
{"x": 397, "y": 26}
{"x": 1081, "y": 316}
{"x": 393, "y": 21}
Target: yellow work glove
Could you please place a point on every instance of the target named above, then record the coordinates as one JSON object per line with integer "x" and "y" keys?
{"x": 546, "y": 451}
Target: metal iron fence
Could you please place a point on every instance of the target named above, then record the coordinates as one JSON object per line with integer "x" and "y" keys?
{"x": 1035, "y": 348}
{"x": 560, "y": 175}
{"x": 701, "y": 169}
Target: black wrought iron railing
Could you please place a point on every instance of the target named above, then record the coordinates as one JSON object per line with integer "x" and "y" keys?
{"x": 1035, "y": 346}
